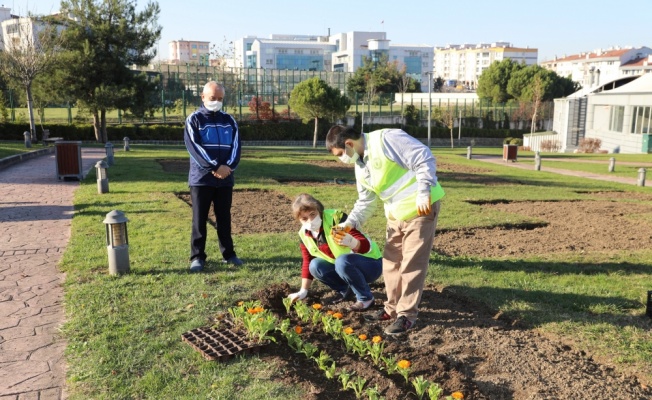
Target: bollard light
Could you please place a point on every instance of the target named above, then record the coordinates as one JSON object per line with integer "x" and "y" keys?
{"x": 102, "y": 180}
{"x": 537, "y": 161}
{"x": 641, "y": 177}
{"x": 648, "y": 309}
{"x": 108, "y": 147}
{"x": 612, "y": 164}
{"x": 126, "y": 139}
{"x": 468, "y": 153}
{"x": 117, "y": 242}
{"x": 28, "y": 139}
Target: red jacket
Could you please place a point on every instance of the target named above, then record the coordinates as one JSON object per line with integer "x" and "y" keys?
{"x": 364, "y": 247}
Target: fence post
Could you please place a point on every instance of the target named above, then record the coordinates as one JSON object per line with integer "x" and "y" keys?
{"x": 163, "y": 103}
{"x": 537, "y": 161}
{"x": 612, "y": 164}
{"x": 641, "y": 177}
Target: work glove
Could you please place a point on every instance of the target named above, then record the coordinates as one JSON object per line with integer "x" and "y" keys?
{"x": 345, "y": 239}
{"x": 345, "y": 226}
{"x": 423, "y": 204}
{"x": 300, "y": 295}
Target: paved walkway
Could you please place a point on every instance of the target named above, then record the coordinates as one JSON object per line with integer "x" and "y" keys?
{"x": 583, "y": 174}
{"x": 35, "y": 217}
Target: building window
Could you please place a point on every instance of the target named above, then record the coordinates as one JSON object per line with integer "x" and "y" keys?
{"x": 641, "y": 118}
{"x": 616, "y": 118}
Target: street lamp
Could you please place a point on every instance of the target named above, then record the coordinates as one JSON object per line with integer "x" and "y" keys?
{"x": 429, "y": 75}
{"x": 117, "y": 242}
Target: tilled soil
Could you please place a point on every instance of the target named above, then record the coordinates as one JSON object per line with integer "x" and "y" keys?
{"x": 464, "y": 346}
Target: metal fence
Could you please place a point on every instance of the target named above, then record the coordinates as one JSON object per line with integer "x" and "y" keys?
{"x": 180, "y": 87}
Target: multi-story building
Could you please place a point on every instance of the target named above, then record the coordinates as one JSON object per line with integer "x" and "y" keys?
{"x": 344, "y": 52}
{"x": 602, "y": 66}
{"x": 463, "y": 64}
{"x": 189, "y": 52}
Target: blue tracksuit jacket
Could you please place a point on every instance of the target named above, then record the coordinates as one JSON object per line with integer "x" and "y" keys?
{"x": 212, "y": 139}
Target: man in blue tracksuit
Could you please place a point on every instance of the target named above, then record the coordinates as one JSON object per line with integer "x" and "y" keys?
{"x": 213, "y": 141}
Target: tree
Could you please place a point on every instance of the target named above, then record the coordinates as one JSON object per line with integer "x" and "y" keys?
{"x": 492, "y": 84}
{"x": 446, "y": 115}
{"x": 33, "y": 53}
{"x": 314, "y": 99}
{"x": 379, "y": 77}
{"x": 103, "y": 39}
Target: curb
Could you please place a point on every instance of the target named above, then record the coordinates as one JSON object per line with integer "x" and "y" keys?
{"x": 15, "y": 159}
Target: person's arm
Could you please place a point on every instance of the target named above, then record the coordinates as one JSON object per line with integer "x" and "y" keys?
{"x": 192, "y": 139}
{"x": 363, "y": 208}
{"x": 363, "y": 243}
{"x": 306, "y": 277}
{"x": 236, "y": 148}
{"x": 413, "y": 155}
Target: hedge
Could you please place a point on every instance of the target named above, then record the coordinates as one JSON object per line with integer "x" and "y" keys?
{"x": 249, "y": 130}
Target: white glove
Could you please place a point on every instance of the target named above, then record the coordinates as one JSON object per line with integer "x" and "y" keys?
{"x": 300, "y": 295}
{"x": 423, "y": 204}
{"x": 346, "y": 226}
{"x": 345, "y": 239}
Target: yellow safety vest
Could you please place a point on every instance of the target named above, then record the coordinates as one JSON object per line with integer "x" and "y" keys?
{"x": 330, "y": 219}
{"x": 396, "y": 186}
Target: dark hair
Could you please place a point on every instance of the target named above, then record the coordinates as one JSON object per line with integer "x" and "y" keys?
{"x": 338, "y": 134}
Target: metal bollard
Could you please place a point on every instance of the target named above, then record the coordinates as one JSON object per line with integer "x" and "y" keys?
{"x": 126, "y": 139}
{"x": 641, "y": 177}
{"x": 648, "y": 309}
{"x": 612, "y": 164}
{"x": 469, "y": 153}
{"x": 108, "y": 147}
{"x": 28, "y": 139}
{"x": 537, "y": 161}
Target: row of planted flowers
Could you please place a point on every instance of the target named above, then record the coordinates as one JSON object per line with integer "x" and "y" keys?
{"x": 260, "y": 323}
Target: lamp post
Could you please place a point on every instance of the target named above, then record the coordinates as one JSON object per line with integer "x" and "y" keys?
{"x": 28, "y": 139}
{"x": 126, "y": 140}
{"x": 117, "y": 242}
{"x": 102, "y": 180}
{"x": 429, "y": 75}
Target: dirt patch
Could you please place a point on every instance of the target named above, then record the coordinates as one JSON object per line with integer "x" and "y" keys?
{"x": 461, "y": 346}
{"x": 618, "y": 195}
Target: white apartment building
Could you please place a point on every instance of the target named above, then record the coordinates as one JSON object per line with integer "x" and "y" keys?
{"x": 463, "y": 64}
{"x": 188, "y": 52}
{"x": 593, "y": 68}
{"x": 339, "y": 52}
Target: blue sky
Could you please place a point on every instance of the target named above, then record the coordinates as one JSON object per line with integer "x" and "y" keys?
{"x": 555, "y": 27}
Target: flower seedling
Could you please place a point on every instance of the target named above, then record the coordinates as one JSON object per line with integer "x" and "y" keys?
{"x": 345, "y": 377}
{"x": 420, "y": 386}
{"x": 330, "y": 371}
{"x": 309, "y": 349}
{"x": 403, "y": 368}
{"x": 434, "y": 391}
{"x": 375, "y": 349}
{"x": 322, "y": 359}
{"x": 390, "y": 363}
{"x": 373, "y": 393}
{"x": 287, "y": 302}
{"x": 357, "y": 384}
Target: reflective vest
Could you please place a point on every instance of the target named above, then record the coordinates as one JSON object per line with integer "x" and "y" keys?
{"x": 396, "y": 186}
{"x": 330, "y": 219}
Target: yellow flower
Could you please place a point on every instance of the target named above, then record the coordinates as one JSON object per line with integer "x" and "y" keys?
{"x": 405, "y": 364}
{"x": 362, "y": 337}
{"x": 316, "y": 306}
{"x": 348, "y": 330}
{"x": 377, "y": 339}
{"x": 240, "y": 303}
{"x": 337, "y": 315}
{"x": 298, "y": 329}
{"x": 457, "y": 395}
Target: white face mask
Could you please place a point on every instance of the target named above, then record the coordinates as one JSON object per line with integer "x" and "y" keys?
{"x": 213, "y": 105}
{"x": 313, "y": 225}
{"x": 346, "y": 159}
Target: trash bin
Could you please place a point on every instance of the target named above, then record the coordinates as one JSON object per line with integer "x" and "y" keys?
{"x": 510, "y": 152}
{"x": 68, "y": 159}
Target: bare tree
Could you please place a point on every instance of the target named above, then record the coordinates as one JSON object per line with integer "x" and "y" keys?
{"x": 446, "y": 115}
{"x": 30, "y": 50}
{"x": 538, "y": 91}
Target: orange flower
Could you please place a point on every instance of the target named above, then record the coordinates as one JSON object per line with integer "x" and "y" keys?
{"x": 298, "y": 329}
{"x": 330, "y": 312}
{"x": 405, "y": 364}
{"x": 362, "y": 337}
{"x": 337, "y": 315}
{"x": 348, "y": 330}
{"x": 316, "y": 306}
{"x": 255, "y": 310}
{"x": 377, "y": 339}
{"x": 457, "y": 395}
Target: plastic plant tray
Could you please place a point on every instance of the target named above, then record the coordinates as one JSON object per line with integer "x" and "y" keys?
{"x": 220, "y": 344}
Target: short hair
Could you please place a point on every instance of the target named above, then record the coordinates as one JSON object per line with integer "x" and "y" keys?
{"x": 305, "y": 202}
{"x": 213, "y": 83}
{"x": 338, "y": 134}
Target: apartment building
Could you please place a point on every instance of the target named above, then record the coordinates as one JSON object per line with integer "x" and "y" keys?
{"x": 344, "y": 52}
{"x": 463, "y": 64}
{"x": 188, "y": 52}
{"x": 601, "y": 66}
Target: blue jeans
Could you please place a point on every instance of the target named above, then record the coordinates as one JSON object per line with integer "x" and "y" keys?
{"x": 349, "y": 271}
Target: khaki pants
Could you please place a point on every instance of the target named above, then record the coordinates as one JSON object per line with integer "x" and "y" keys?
{"x": 405, "y": 262}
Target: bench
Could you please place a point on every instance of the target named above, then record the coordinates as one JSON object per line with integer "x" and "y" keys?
{"x": 47, "y": 139}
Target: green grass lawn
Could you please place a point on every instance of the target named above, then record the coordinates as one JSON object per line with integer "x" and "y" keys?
{"x": 124, "y": 332}
{"x": 12, "y": 148}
